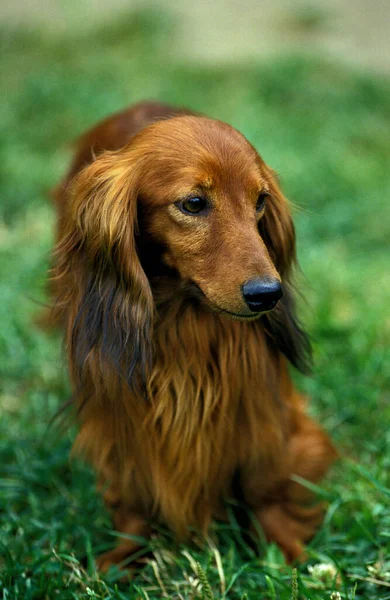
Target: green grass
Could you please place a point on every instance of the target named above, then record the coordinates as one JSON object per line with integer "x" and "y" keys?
{"x": 325, "y": 129}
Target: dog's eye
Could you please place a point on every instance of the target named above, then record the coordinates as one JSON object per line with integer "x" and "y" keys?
{"x": 261, "y": 200}
{"x": 193, "y": 206}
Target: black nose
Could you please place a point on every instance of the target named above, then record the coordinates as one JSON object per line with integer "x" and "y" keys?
{"x": 262, "y": 294}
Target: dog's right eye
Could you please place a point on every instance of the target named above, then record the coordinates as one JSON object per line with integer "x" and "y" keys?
{"x": 193, "y": 206}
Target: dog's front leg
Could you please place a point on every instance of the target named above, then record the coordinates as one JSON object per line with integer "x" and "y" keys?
{"x": 283, "y": 507}
{"x": 130, "y": 524}
{"x": 126, "y": 520}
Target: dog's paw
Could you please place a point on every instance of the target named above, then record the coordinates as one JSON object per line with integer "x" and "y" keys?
{"x": 118, "y": 557}
{"x": 290, "y": 525}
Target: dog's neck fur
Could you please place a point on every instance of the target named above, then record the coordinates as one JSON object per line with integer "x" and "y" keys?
{"x": 197, "y": 353}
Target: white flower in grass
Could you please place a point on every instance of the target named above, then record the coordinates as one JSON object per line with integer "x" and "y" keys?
{"x": 380, "y": 570}
{"x": 325, "y": 573}
{"x": 335, "y": 596}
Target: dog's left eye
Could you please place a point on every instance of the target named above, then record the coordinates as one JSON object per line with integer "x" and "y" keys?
{"x": 193, "y": 206}
{"x": 261, "y": 200}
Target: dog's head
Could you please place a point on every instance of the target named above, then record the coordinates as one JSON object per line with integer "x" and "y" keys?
{"x": 188, "y": 196}
{"x": 215, "y": 208}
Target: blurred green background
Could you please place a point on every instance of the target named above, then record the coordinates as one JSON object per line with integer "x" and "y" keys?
{"x": 308, "y": 84}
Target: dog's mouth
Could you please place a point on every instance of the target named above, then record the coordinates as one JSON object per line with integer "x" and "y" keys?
{"x": 194, "y": 291}
{"x": 237, "y": 316}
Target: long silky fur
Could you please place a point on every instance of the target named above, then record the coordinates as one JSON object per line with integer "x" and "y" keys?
{"x": 182, "y": 442}
{"x": 285, "y": 333}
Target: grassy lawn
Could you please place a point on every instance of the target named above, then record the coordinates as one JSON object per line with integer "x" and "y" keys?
{"x": 325, "y": 129}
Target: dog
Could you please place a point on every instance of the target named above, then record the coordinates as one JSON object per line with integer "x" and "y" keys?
{"x": 173, "y": 281}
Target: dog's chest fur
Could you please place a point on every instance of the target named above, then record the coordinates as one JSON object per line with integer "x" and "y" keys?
{"x": 205, "y": 419}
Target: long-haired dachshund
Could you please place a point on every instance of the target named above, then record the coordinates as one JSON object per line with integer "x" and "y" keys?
{"x": 173, "y": 281}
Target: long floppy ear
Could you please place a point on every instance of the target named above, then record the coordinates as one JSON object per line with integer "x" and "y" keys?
{"x": 277, "y": 228}
{"x": 282, "y": 325}
{"x": 108, "y": 299}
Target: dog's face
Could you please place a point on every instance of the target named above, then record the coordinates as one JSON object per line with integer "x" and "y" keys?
{"x": 205, "y": 197}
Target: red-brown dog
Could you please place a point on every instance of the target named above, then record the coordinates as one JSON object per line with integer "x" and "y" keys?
{"x": 172, "y": 274}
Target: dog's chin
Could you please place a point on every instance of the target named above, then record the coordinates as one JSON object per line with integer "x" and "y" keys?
{"x": 197, "y": 294}
{"x": 236, "y": 316}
